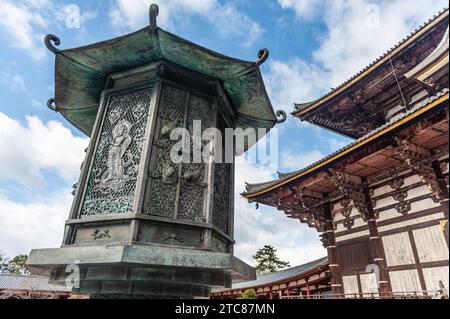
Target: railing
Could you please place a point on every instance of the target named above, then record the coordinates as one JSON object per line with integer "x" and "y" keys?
{"x": 430, "y": 294}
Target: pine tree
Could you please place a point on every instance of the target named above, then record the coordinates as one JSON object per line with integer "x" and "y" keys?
{"x": 268, "y": 261}
{"x": 3, "y": 263}
{"x": 17, "y": 265}
{"x": 249, "y": 294}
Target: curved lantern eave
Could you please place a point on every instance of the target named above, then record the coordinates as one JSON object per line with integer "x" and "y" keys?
{"x": 81, "y": 74}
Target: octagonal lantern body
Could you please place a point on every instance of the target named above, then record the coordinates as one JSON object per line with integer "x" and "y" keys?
{"x": 142, "y": 222}
{"x": 131, "y": 190}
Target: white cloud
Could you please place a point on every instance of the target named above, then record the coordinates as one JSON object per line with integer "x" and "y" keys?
{"x": 18, "y": 21}
{"x": 15, "y": 82}
{"x": 294, "y": 161}
{"x": 38, "y": 223}
{"x": 18, "y": 82}
{"x": 28, "y": 150}
{"x": 295, "y": 242}
{"x": 225, "y": 18}
{"x": 358, "y": 31}
{"x": 293, "y": 81}
{"x": 303, "y": 8}
{"x": 24, "y": 23}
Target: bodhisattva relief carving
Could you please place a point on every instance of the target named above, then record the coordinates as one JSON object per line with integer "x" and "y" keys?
{"x": 115, "y": 176}
{"x": 115, "y": 165}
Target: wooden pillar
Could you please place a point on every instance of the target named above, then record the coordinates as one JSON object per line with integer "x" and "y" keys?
{"x": 375, "y": 245}
{"x": 270, "y": 293}
{"x": 308, "y": 292}
{"x": 329, "y": 243}
{"x": 442, "y": 187}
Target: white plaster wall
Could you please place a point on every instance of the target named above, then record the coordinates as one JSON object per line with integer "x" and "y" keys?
{"x": 398, "y": 250}
{"x": 411, "y": 194}
{"x": 410, "y": 222}
{"x": 352, "y": 236}
{"x": 431, "y": 244}
{"x": 369, "y": 284}
{"x": 385, "y": 189}
{"x": 350, "y": 284}
{"x": 433, "y": 275}
{"x": 405, "y": 281}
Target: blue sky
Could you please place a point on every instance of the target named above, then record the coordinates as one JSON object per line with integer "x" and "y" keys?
{"x": 314, "y": 45}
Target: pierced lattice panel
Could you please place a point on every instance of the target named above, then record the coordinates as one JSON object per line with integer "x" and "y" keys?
{"x": 112, "y": 179}
{"x": 193, "y": 174}
{"x": 164, "y": 175}
{"x": 221, "y": 201}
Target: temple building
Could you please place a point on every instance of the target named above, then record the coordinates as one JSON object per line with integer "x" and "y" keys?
{"x": 13, "y": 286}
{"x": 380, "y": 204}
{"x": 307, "y": 281}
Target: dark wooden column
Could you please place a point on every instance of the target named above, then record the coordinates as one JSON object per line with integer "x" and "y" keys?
{"x": 443, "y": 194}
{"x": 329, "y": 243}
{"x": 375, "y": 244}
{"x": 442, "y": 182}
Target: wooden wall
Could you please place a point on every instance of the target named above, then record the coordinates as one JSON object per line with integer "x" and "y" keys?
{"x": 415, "y": 249}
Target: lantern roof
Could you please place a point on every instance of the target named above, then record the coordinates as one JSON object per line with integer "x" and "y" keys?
{"x": 81, "y": 74}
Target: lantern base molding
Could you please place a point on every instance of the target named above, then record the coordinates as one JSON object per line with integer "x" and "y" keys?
{"x": 136, "y": 270}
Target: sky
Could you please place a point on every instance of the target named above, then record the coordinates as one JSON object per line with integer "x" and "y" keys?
{"x": 314, "y": 46}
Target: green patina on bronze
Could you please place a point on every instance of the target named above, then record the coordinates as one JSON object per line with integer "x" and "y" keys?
{"x": 81, "y": 74}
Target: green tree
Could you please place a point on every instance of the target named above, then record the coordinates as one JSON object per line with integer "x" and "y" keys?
{"x": 249, "y": 294}
{"x": 17, "y": 265}
{"x": 3, "y": 263}
{"x": 268, "y": 261}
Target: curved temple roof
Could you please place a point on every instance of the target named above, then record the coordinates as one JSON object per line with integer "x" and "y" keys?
{"x": 254, "y": 190}
{"x": 301, "y": 109}
{"x": 282, "y": 275}
{"x": 81, "y": 74}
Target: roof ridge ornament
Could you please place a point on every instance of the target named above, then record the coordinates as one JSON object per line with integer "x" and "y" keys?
{"x": 50, "y": 41}
{"x": 153, "y": 13}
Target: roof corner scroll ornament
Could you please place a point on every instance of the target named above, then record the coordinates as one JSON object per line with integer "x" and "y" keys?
{"x": 263, "y": 55}
{"x": 51, "y": 104}
{"x": 281, "y": 116}
{"x": 421, "y": 165}
{"x": 51, "y": 41}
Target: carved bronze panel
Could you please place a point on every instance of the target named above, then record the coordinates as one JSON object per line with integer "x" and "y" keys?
{"x": 112, "y": 179}
{"x": 193, "y": 173}
{"x": 164, "y": 174}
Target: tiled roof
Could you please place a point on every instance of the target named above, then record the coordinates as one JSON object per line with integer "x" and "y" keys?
{"x": 282, "y": 274}
{"x": 255, "y": 188}
{"x": 31, "y": 283}
{"x": 302, "y": 106}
